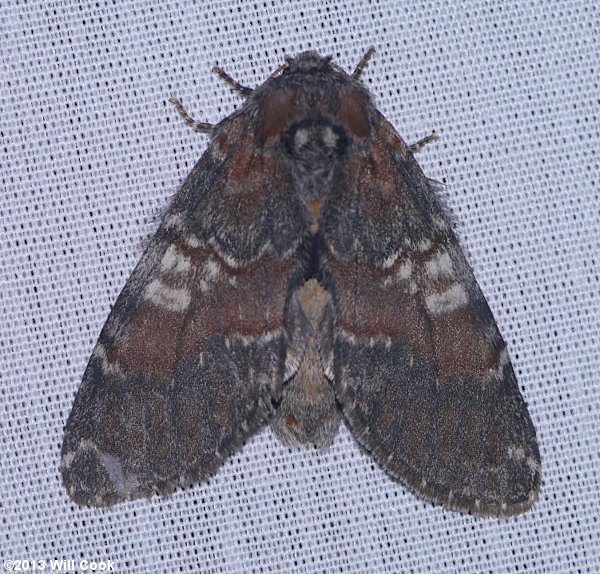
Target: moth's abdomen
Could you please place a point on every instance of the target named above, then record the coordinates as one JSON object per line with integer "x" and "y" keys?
{"x": 308, "y": 413}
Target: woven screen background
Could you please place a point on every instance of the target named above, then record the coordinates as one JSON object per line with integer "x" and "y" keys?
{"x": 91, "y": 151}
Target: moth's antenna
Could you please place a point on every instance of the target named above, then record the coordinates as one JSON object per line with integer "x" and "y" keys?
{"x": 242, "y": 90}
{"x": 418, "y": 146}
{"x": 363, "y": 63}
{"x": 200, "y": 127}
{"x": 283, "y": 66}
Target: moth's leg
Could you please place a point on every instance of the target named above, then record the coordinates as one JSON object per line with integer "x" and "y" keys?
{"x": 363, "y": 63}
{"x": 242, "y": 90}
{"x": 418, "y": 146}
{"x": 201, "y": 127}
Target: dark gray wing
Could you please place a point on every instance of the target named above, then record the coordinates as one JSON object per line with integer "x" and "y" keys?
{"x": 193, "y": 351}
{"x": 420, "y": 367}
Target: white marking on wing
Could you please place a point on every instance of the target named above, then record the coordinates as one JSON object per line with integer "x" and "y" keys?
{"x": 212, "y": 269}
{"x": 234, "y": 263}
{"x": 246, "y": 340}
{"x": 107, "y": 367}
{"x": 516, "y": 453}
{"x": 174, "y": 221}
{"x": 174, "y": 261}
{"x": 389, "y": 261}
{"x": 440, "y": 224}
{"x": 210, "y": 272}
{"x": 176, "y": 300}
{"x": 440, "y": 265}
{"x": 533, "y": 465}
{"x": 125, "y": 483}
{"x": 347, "y": 336}
{"x": 405, "y": 270}
{"x": 69, "y": 457}
{"x": 424, "y": 245}
{"x": 191, "y": 240}
{"x": 503, "y": 360}
{"x": 447, "y": 301}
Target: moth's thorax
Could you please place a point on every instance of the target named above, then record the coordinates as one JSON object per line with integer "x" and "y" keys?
{"x": 313, "y": 147}
{"x": 313, "y": 116}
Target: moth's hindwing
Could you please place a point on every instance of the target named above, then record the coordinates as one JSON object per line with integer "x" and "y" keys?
{"x": 420, "y": 367}
{"x": 193, "y": 351}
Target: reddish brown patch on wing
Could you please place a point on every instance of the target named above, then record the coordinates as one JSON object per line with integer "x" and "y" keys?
{"x": 228, "y": 134}
{"x": 462, "y": 349}
{"x": 276, "y": 109}
{"x": 368, "y": 308}
{"x": 249, "y": 182}
{"x": 376, "y": 303}
{"x": 246, "y": 168}
{"x": 378, "y": 181}
{"x": 372, "y": 182}
{"x": 352, "y": 114}
{"x": 360, "y": 310}
{"x": 389, "y": 137}
{"x": 148, "y": 343}
{"x": 248, "y": 301}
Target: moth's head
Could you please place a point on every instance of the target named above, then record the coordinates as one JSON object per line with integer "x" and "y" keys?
{"x": 310, "y": 62}
{"x": 307, "y": 62}
{"x": 312, "y": 102}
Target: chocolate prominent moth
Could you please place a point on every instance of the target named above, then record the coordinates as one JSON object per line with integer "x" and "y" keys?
{"x": 305, "y": 272}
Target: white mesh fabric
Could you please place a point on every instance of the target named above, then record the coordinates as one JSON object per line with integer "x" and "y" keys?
{"x": 90, "y": 152}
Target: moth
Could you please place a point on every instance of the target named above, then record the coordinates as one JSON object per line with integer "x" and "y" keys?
{"x": 305, "y": 272}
